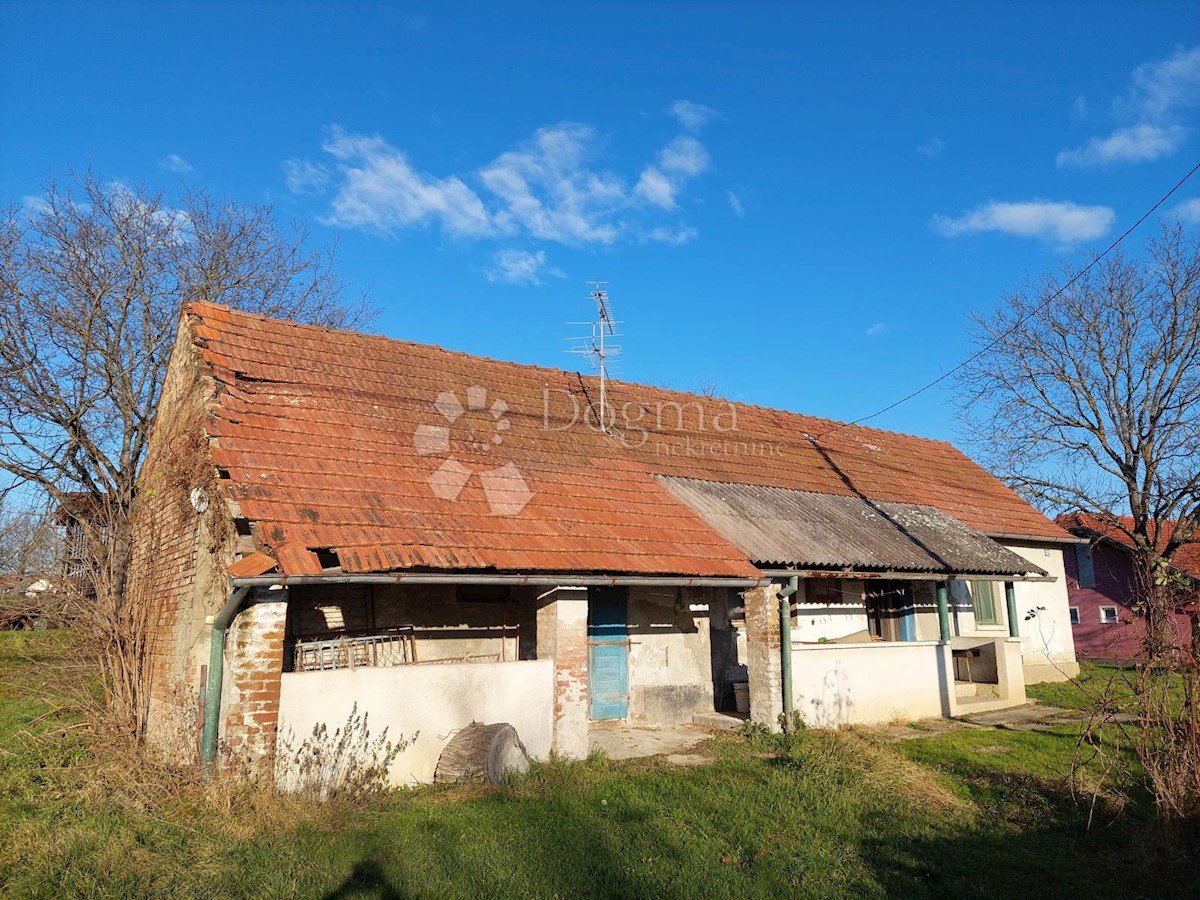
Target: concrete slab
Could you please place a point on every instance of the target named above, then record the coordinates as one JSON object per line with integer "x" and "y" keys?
{"x": 678, "y": 743}
{"x": 1020, "y": 716}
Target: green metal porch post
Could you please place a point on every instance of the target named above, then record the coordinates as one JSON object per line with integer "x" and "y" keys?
{"x": 943, "y": 591}
{"x": 1010, "y": 598}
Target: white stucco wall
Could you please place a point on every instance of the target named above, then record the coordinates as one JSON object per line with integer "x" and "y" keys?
{"x": 839, "y": 684}
{"x": 435, "y": 700}
{"x": 1047, "y": 642}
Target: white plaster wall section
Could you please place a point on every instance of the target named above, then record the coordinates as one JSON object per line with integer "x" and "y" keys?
{"x": 435, "y": 700}
{"x": 843, "y": 684}
{"x": 1043, "y": 615}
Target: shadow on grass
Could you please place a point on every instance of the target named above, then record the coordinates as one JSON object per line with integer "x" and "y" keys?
{"x": 366, "y": 880}
{"x": 1033, "y": 840}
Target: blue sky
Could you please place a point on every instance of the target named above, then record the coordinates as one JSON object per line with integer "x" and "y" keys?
{"x": 797, "y": 203}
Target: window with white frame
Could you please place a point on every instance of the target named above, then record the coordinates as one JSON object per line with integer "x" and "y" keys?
{"x": 1074, "y": 615}
{"x": 1108, "y": 615}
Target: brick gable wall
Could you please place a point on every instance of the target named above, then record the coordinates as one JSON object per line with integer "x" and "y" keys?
{"x": 179, "y": 553}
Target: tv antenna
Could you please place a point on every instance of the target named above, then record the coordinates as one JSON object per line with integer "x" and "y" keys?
{"x": 596, "y": 346}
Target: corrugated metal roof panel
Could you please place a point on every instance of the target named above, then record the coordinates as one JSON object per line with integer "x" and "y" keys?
{"x": 776, "y": 526}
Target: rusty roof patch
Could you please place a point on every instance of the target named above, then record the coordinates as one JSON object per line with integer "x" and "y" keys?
{"x": 257, "y": 563}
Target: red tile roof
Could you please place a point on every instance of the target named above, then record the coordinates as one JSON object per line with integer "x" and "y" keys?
{"x": 399, "y": 455}
{"x": 1186, "y": 558}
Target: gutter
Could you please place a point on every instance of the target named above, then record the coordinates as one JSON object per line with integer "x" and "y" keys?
{"x": 785, "y": 649}
{"x": 552, "y": 580}
{"x": 901, "y": 575}
{"x": 1035, "y": 538}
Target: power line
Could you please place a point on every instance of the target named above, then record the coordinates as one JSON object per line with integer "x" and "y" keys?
{"x": 1021, "y": 320}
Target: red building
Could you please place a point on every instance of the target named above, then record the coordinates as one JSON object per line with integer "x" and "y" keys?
{"x": 1101, "y": 590}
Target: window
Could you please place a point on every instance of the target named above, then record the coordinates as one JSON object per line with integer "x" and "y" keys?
{"x": 1085, "y": 568}
{"x": 983, "y": 599}
{"x": 1074, "y": 615}
{"x": 1108, "y": 615}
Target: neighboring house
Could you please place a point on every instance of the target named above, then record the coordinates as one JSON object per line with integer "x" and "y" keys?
{"x": 79, "y": 515}
{"x": 329, "y": 521}
{"x": 1102, "y": 590}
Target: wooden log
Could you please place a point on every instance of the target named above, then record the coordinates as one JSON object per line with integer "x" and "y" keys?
{"x": 482, "y": 752}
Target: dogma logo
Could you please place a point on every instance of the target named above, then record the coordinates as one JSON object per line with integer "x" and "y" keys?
{"x": 473, "y": 430}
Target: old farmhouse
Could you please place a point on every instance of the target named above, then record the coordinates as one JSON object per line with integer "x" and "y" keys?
{"x": 330, "y": 521}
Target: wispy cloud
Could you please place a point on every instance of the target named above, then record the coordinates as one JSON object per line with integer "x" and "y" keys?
{"x": 692, "y": 116}
{"x": 1189, "y": 211}
{"x": 33, "y": 206}
{"x": 1062, "y": 223}
{"x": 674, "y": 237}
{"x": 735, "y": 203}
{"x": 876, "y": 330}
{"x": 173, "y": 162}
{"x": 1079, "y": 109}
{"x": 381, "y": 191}
{"x": 931, "y": 147}
{"x": 681, "y": 160}
{"x": 1148, "y": 111}
{"x": 304, "y": 176}
{"x": 1137, "y": 143}
{"x": 521, "y": 267}
{"x": 547, "y": 188}
{"x": 550, "y": 187}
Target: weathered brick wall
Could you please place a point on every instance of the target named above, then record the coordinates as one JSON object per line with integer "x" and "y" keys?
{"x": 763, "y": 660}
{"x": 180, "y": 549}
{"x": 250, "y": 692}
{"x": 562, "y": 636}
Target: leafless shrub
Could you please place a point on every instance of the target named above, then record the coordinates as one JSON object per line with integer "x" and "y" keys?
{"x": 349, "y": 764}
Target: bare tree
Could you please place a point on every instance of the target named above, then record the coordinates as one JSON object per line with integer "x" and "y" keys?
{"x": 30, "y": 542}
{"x": 93, "y": 276}
{"x": 1086, "y": 395}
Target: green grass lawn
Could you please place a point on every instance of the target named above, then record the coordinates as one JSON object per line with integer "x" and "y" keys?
{"x": 971, "y": 812}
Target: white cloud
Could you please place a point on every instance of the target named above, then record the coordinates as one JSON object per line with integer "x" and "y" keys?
{"x": 521, "y": 267}
{"x": 1159, "y": 89}
{"x": 381, "y": 191}
{"x": 34, "y": 206}
{"x": 1189, "y": 211}
{"x": 681, "y": 160}
{"x": 692, "y": 116}
{"x": 1079, "y": 109}
{"x": 931, "y": 147}
{"x": 304, "y": 176}
{"x": 173, "y": 162}
{"x": 654, "y": 187}
{"x": 175, "y": 221}
{"x": 735, "y": 203}
{"x": 876, "y": 330}
{"x": 684, "y": 157}
{"x": 674, "y": 237}
{"x": 1137, "y": 143}
{"x": 1062, "y": 223}
{"x": 547, "y": 189}
{"x": 1149, "y": 112}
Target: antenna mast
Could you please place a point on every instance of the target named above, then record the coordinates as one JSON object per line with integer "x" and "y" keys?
{"x": 596, "y": 346}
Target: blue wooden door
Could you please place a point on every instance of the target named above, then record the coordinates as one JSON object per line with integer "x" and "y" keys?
{"x": 608, "y": 652}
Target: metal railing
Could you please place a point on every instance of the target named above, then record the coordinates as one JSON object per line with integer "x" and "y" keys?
{"x": 395, "y": 647}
